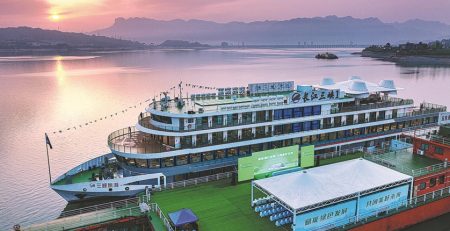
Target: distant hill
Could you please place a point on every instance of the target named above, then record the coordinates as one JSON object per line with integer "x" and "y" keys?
{"x": 34, "y": 38}
{"x": 320, "y": 30}
{"x": 182, "y": 44}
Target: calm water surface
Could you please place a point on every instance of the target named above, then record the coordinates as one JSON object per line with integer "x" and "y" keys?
{"x": 47, "y": 94}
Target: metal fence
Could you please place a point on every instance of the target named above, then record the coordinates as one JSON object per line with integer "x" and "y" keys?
{"x": 125, "y": 203}
{"x": 196, "y": 181}
{"x": 344, "y": 152}
{"x": 86, "y": 219}
{"x": 156, "y": 209}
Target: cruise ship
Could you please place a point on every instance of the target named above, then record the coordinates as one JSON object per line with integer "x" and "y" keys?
{"x": 179, "y": 138}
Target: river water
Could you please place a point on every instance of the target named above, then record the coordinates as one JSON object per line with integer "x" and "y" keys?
{"x": 53, "y": 94}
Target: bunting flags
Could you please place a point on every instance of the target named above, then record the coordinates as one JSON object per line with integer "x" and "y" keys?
{"x": 109, "y": 115}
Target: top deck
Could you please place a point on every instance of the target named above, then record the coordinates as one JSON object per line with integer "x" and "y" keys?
{"x": 406, "y": 162}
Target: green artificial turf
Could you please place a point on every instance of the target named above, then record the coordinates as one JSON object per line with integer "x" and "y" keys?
{"x": 218, "y": 205}
{"x": 80, "y": 177}
{"x": 221, "y": 206}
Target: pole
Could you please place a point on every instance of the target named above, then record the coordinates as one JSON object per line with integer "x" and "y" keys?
{"x": 48, "y": 163}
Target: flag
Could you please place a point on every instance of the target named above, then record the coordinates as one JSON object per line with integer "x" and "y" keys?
{"x": 47, "y": 141}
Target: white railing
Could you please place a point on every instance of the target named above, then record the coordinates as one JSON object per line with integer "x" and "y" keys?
{"x": 344, "y": 152}
{"x": 155, "y": 208}
{"x": 85, "y": 219}
{"x": 110, "y": 205}
{"x": 195, "y": 181}
{"x": 440, "y": 139}
{"x": 399, "y": 206}
{"x": 430, "y": 169}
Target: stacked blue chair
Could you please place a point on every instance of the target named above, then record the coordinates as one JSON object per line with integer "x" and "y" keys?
{"x": 284, "y": 221}
{"x": 280, "y": 215}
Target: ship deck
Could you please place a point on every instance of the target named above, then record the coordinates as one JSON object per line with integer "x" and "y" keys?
{"x": 81, "y": 177}
{"x": 404, "y": 161}
{"x": 137, "y": 142}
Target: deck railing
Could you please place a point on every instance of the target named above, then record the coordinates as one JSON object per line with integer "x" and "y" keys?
{"x": 86, "y": 219}
{"x": 400, "y": 206}
{"x": 94, "y": 208}
{"x": 430, "y": 169}
{"x": 196, "y": 181}
{"x": 440, "y": 139}
{"x": 156, "y": 209}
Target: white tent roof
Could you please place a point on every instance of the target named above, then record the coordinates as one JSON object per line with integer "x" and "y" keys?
{"x": 300, "y": 189}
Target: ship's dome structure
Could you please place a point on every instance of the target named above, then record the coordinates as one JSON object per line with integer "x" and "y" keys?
{"x": 327, "y": 81}
{"x": 355, "y": 78}
{"x": 388, "y": 84}
{"x": 358, "y": 86}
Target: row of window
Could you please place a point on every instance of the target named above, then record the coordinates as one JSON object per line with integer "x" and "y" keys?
{"x": 247, "y": 150}
{"x": 432, "y": 182}
{"x": 162, "y": 119}
{"x": 437, "y": 149}
{"x": 296, "y": 112}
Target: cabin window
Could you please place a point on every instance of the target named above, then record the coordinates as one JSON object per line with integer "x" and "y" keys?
{"x": 256, "y": 148}
{"x": 298, "y": 112}
{"x": 153, "y": 163}
{"x": 196, "y": 157}
{"x": 422, "y": 186}
{"x": 307, "y": 111}
{"x": 296, "y": 127}
{"x": 141, "y": 163}
{"x": 220, "y": 154}
{"x": 287, "y": 113}
{"x": 231, "y": 152}
{"x": 424, "y": 146}
{"x": 243, "y": 151}
{"x": 315, "y": 124}
{"x": 307, "y": 126}
{"x": 182, "y": 160}
{"x": 432, "y": 182}
{"x": 130, "y": 161}
{"x": 207, "y": 156}
{"x": 168, "y": 162}
{"x": 441, "y": 179}
{"x": 278, "y": 114}
{"x": 162, "y": 119}
{"x": 317, "y": 110}
{"x": 438, "y": 150}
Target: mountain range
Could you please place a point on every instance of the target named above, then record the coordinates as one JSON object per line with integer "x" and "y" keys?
{"x": 35, "y": 38}
{"x": 317, "y": 30}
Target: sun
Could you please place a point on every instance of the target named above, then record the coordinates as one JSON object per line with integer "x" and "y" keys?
{"x": 55, "y": 17}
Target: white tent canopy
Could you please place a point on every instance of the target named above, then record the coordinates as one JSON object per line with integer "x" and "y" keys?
{"x": 316, "y": 185}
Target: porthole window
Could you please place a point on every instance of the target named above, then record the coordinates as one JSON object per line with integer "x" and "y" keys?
{"x": 422, "y": 186}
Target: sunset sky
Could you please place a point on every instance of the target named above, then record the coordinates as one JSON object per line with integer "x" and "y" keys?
{"x": 89, "y": 15}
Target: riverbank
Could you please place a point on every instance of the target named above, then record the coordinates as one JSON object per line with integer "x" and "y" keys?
{"x": 408, "y": 60}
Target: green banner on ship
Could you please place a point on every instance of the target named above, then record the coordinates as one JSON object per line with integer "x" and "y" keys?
{"x": 245, "y": 168}
{"x": 262, "y": 164}
{"x": 307, "y": 156}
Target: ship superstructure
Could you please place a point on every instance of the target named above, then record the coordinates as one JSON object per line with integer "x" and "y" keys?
{"x": 187, "y": 137}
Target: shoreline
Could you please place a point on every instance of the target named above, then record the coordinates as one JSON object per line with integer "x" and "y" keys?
{"x": 408, "y": 60}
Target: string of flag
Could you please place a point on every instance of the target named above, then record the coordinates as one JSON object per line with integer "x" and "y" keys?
{"x": 107, "y": 116}
{"x": 199, "y": 86}
{"x": 125, "y": 110}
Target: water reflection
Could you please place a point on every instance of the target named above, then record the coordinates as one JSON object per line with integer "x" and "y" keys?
{"x": 60, "y": 72}
{"x": 42, "y": 94}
